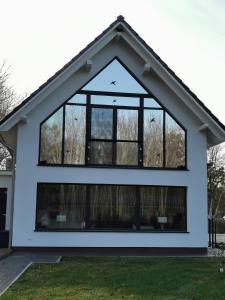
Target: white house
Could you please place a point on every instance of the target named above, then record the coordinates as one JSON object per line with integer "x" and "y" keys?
{"x": 110, "y": 155}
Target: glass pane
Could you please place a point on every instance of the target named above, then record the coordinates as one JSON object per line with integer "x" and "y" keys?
{"x": 112, "y": 207}
{"x": 51, "y": 139}
{"x": 175, "y": 144}
{"x": 163, "y": 208}
{"x": 153, "y": 138}
{"x": 75, "y": 132}
{"x": 127, "y": 153}
{"x": 150, "y": 102}
{"x": 101, "y": 153}
{"x": 115, "y": 100}
{"x": 6, "y": 160}
{"x": 101, "y": 123}
{"x": 78, "y": 99}
{"x": 127, "y": 124}
{"x": 115, "y": 78}
{"x": 61, "y": 206}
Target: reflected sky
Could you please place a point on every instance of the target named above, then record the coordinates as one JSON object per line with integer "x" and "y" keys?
{"x": 78, "y": 99}
{"x": 115, "y": 78}
{"x": 115, "y": 100}
{"x": 150, "y": 102}
{"x": 101, "y": 123}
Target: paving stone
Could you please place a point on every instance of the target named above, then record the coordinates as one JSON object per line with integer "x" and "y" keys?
{"x": 15, "y": 264}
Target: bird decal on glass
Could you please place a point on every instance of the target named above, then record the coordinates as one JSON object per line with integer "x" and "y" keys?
{"x": 113, "y": 82}
{"x": 152, "y": 120}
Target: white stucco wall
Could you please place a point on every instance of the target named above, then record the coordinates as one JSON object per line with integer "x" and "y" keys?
{"x": 6, "y": 182}
{"x": 28, "y": 173}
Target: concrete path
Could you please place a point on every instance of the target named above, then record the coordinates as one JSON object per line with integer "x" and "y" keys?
{"x": 13, "y": 266}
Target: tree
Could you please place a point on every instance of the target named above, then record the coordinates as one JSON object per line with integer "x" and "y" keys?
{"x": 7, "y": 94}
{"x": 8, "y": 100}
{"x": 216, "y": 181}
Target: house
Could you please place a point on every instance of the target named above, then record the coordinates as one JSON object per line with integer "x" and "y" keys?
{"x": 110, "y": 155}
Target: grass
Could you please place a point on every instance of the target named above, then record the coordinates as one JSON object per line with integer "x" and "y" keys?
{"x": 129, "y": 278}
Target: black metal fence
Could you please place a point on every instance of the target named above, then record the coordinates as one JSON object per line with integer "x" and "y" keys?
{"x": 216, "y": 230}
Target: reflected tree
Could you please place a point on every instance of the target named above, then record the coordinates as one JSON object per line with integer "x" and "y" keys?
{"x": 153, "y": 138}
{"x": 216, "y": 182}
{"x": 8, "y": 100}
{"x": 175, "y": 144}
{"x": 75, "y": 133}
{"x": 51, "y": 139}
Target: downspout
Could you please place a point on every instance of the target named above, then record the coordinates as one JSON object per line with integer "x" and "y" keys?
{"x": 12, "y": 152}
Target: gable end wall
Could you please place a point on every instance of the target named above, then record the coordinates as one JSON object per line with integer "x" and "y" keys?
{"x": 28, "y": 173}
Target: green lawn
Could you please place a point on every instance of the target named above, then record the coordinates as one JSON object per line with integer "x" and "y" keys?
{"x": 121, "y": 278}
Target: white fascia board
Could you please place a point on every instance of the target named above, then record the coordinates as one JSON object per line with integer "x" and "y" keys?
{"x": 175, "y": 86}
{"x": 62, "y": 77}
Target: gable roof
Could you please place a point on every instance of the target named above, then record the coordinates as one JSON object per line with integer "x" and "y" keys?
{"x": 119, "y": 24}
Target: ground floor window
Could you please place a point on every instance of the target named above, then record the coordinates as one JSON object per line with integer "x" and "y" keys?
{"x": 110, "y": 207}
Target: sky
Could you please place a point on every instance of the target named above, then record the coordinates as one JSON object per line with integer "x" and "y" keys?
{"x": 39, "y": 36}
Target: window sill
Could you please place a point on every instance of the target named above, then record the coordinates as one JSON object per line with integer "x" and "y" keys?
{"x": 110, "y": 231}
{"x": 112, "y": 167}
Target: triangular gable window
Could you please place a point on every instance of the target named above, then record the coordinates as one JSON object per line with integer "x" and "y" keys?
{"x": 113, "y": 121}
{"x": 115, "y": 78}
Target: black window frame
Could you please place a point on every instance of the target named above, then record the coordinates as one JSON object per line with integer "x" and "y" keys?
{"x": 87, "y": 210}
{"x": 140, "y": 141}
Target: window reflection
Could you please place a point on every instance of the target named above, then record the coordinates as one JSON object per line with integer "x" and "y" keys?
{"x": 101, "y": 123}
{"x": 175, "y": 144}
{"x": 61, "y": 206}
{"x": 150, "y": 102}
{"x": 78, "y": 99}
{"x": 51, "y": 139}
{"x": 112, "y": 207}
{"x": 153, "y": 138}
{"x": 115, "y": 78}
{"x": 127, "y": 153}
{"x": 101, "y": 153}
{"x": 127, "y": 127}
{"x": 163, "y": 208}
{"x": 127, "y": 124}
{"x": 115, "y": 100}
{"x": 75, "y": 132}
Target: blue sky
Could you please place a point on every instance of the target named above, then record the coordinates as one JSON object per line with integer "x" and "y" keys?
{"x": 38, "y": 37}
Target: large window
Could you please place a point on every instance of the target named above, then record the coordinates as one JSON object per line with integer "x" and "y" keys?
{"x": 61, "y": 206}
{"x": 113, "y": 121}
{"x": 110, "y": 207}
